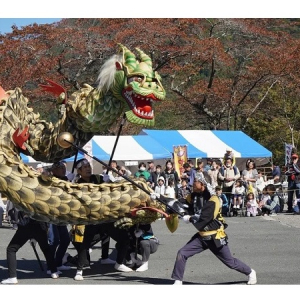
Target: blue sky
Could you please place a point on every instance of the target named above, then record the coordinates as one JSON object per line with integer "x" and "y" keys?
{"x": 6, "y": 23}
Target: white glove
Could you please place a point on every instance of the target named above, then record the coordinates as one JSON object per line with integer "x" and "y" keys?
{"x": 138, "y": 233}
{"x": 154, "y": 196}
{"x": 33, "y": 241}
{"x": 186, "y": 219}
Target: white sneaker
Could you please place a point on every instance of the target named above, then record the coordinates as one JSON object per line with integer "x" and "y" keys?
{"x": 143, "y": 267}
{"x": 12, "y": 280}
{"x": 78, "y": 276}
{"x": 234, "y": 206}
{"x": 177, "y": 282}
{"x": 64, "y": 268}
{"x": 122, "y": 268}
{"x": 49, "y": 272}
{"x": 252, "y": 277}
{"x": 55, "y": 275}
{"x": 107, "y": 261}
{"x": 248, "y": 214}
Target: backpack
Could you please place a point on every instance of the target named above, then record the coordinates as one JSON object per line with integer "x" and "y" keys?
{"x": 234, "y": 168}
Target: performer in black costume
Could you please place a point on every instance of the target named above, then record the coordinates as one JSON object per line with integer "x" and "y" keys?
{"x": 205, "y": 214}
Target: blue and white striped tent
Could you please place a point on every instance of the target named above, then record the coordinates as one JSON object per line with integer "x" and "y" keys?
{"x": 209, "y": 143}
{"x": 158, "y": 144}
{"x": 133, "y": 147}
{"x": 139, "y": 147}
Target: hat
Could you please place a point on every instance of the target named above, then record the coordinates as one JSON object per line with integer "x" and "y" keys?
{"x": 228, "y": 149}
{"x": 39, "y": 166}
{"x": 161, "y": 178}
{"x": 295, "y": 155}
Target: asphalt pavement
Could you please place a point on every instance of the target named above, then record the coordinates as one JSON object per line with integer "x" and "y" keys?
{"x": 270, "y": 245}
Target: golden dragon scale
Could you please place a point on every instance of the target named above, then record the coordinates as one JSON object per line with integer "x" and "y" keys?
{"x": 125, "y": 84}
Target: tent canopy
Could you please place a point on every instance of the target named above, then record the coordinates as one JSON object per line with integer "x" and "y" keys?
{"x": 158, "y": 144}
{"x": 139, "y": 147}
{"x": 209, "y": 143}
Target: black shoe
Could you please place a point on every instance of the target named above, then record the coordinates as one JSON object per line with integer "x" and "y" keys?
{"x": 289, "y": 211}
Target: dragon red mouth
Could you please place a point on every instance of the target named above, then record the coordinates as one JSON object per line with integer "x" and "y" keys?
{"x": 140, "y": 105}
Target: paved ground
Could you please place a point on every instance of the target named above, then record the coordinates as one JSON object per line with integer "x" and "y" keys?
{"x": 270, "y": 245}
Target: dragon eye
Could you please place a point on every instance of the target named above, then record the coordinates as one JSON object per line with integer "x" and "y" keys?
{"x": 135, "y": 78}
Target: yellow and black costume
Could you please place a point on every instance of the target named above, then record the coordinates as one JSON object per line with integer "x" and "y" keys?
{"x": 211, "y": 235}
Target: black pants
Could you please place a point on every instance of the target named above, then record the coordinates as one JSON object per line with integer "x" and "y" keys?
{"x": 105, "y": 229}
{"x": 33, "y": 230}
{"x": 198, "y": 245}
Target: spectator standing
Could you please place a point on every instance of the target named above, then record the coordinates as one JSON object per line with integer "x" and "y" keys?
{"x": 238, "y": 191}
{"x": 213, "y": 173}
{"x": 293, "y": 178}
{"x": 260, "y": 182}
{"x": 229, "y": 154}
{"x": 250, "y": 176}
{"x": 154, "y": 176}
{"x": 184, "y": 190}
{"x": 160, "y": 188}
{"x": 151, "y": 166}
{"x": 142, "y": 172}
{"x": 170, "y": 189}
{"x": 208, "y": 165}
{"x": 227, "y": 175}
{"x": 170, "y": 172}
{"x": 276, "y": 174}
{"x": 224, "y": 200}
{"x": 188, "y": 174}
{"x": 251, "y": 205}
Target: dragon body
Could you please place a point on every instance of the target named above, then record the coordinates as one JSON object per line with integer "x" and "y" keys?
{"x": 125, "y": 85}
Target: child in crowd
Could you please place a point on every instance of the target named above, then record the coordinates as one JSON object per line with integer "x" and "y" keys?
{"x": 184, "y": 190}
{"x": 160, "y": 188}
{"x": 170, "y": 189}
{"x": 237, "y": 190}
{"x": 272, "y": 206}
{"x": 224, "y": 199}
{"x": 251, "y": 205}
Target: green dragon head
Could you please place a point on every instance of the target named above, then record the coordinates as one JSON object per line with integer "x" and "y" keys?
{"x": 135, "y": 81}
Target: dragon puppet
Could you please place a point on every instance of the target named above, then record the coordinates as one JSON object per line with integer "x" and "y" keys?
{"x": 126, "y": 84}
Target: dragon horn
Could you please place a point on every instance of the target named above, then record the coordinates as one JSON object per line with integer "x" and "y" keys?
{"x": 144, "y": 57}
{"x": 129, "y": 59}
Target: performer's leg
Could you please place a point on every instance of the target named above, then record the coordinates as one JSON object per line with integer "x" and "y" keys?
{"x": 39, "y": 233}
{"x": 194, "y": 246}
{"x": 223, "y": 253}
{"x": 105, "y": 239}
{"x": 18, "y": 241}
{"x": 64, "y": 241}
